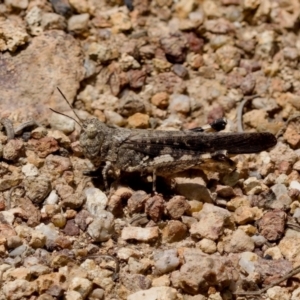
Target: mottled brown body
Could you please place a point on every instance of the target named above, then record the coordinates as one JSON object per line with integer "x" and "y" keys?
{"x": 163, "y": 152}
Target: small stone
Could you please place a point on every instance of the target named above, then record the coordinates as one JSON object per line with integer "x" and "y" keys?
{"x": 282, "y": 199}
{"x": 30, "y": 170}
{"x": 158, "y": 293}
{"x": 165, "y": 261}
{"x": 96, "y": 201}
{"x": 114, "y": 118}
{"x": 38, "y": 240}
{"x": 73, "y": 295}
{"x": 180, "y": 104}
{"x": 71, "y": 228}
{"x": 13, "y": 242}
{"x": 207, "y": 246}
{"x": 121, "y": 22}
{"x": 62, "y": 123}
{"x": 39, "y": 133}
{"x": 225, "y": 191}
{"x": 278, "y": 293}
{"x": 211, "y": 224}
{"x": 138, "y": 120}
{"x": 101, "y": 53}
{"x": 12, "y": 35}
{"x": 102, "y": 227}
{"x": 57, "y": 165}
{"x": 177, "y": 206}
{"x": 193, "y": 188}
{"x": 78, "y": 23}
{"x": 136, "y": 78}
{"x": 244, "y": 215}
{"x": 97, "y": 294}
{"x": 154, "y": 207}
{"x": 44, "y": 146}
{"x": 160, "y": 100}
{"x": 247, "y": 261}
{"x": 228, "y": 57}
{"x": 81, "y": 285}
{"x": 13, "y": 150}
{"x": 252, "y": 186}
{"x": 180, "y": 70}
{"x": 272, "y": 225}
{"x": 19, "y": 4}
{"x": 18, "y": 289}
{"x": 273, "y": 252}
{"x": 49, "y": 231}
{"x": 174, "y": 231}
{"x": 139, "y": 234}
{"x": 52, "y": 21}
{"x": 37, "y": 188}
{"x": 238, "y": 242}
{"x": 51, "y": 199}
{"x": 161, "y": 65}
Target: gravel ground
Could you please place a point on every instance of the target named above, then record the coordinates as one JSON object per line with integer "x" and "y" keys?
{"x": 170, "y": 65}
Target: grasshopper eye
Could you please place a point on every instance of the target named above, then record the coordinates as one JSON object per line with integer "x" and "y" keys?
{"x": 91, "y": 131}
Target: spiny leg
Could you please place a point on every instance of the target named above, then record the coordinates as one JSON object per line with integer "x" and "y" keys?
{"x": 105, "y": 172}
{"x": 154, "y": 181}
{"x": 216, "y": 125}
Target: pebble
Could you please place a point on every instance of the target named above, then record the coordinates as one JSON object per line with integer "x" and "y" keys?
{"x": 238, "y": 242}
{"x": 207, "y": 246}
{"x": 78, "y": 23}
{"x": 18, "y": 289}
{"x": 160, "y": 100}
{"x": 195, "y": 274}
{"x": 52, "y": 198}
{"x": 174, "y": 231}
{"x": 278, "y": 293}
{"x": 165, "y": 261}
{"x": 179, "y": 104}
{"x": 252, "y": 186}
{"x": 13, "y": 150}
{"x": 96, "y": 201}
{"x": 154, "y": 207}
{"x": 62, "y": 123}
{"x": 147, "y": 234}
{"x": 13, "y": 35}
{"x": 244, "y": 215}
{"x": 49, "y": 231}
{"x": 52, "y": 21}
{"x": 139, "y": 120}
{"x": 37, "y": 188}
{"x": 158, "y": 293}
{"x": 81, "y": 285}
{"x": 282, "y": 200}
{"x": 193, "y": 189}
{"x": 289, "y": 246}
{"x": 211, "y": 222}
{"x": 295, "y": 185}
{"x": 272, "y": 225}
{"x": 177, "y": 206}
{"x": 30, "y": 170}
{"x": 102, "y": 227}
{"x": 247, "y": 261}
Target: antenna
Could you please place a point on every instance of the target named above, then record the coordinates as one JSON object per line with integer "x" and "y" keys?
{"x": 59, "y": 113}
{"x": 70, "y": 107}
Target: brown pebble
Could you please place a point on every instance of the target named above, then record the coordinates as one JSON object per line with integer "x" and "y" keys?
{"x": 71, "y": 228}
{"x": 272, "y": 224}
{"x": 160, "y": 100}
{"x": 44, "y": 146}
{"x": 174, "y": 231}
{"x": 177, "y": 206}
{"x": 154, "y": 207}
